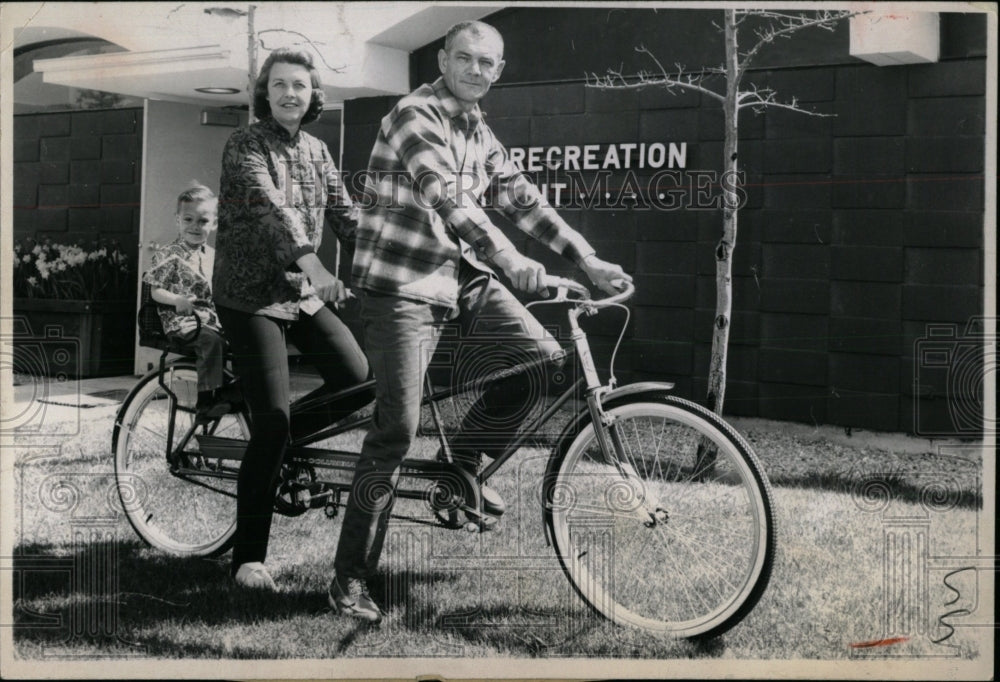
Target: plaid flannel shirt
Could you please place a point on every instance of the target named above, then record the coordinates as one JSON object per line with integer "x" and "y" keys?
{"x": 274, "y": 193}
{"x": 409, "y": 248}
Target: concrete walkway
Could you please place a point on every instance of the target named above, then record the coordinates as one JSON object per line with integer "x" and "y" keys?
{"x": 50, "y": 401}
{"x": 41, "y": 402}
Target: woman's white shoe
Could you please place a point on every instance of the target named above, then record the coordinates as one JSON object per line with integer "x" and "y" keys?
{"x": 255, "y": 576}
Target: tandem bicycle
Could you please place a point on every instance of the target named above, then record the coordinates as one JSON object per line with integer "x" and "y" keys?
{"x": 683, "y": 503}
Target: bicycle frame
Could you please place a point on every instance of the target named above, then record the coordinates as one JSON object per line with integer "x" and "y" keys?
{"x": 339, "y": 464}
{"x": 623, "y": 493}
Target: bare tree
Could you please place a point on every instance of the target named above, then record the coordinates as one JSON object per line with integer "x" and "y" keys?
{"x": 255, "y": 42}
{"x": 769, "y": 26}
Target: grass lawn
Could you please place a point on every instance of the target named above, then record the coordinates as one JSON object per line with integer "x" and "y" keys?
{"x": 866, "y": 538}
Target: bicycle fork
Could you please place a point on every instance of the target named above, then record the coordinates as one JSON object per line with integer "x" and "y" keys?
{"x": 613, "y": 449}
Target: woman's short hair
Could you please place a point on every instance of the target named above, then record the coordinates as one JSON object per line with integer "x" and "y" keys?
{"x": 285, "y": 55}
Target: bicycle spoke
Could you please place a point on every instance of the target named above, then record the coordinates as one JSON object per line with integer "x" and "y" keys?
{"x": 184, "y": 511}
{"x": 686, "y": 540}
{"x": 686, "y": 555}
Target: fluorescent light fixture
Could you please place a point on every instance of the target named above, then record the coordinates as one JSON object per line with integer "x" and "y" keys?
{"x": 218, "y": 91}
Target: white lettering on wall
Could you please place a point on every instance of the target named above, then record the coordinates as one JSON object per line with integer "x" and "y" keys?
{"x": 657, "y": 155}
{"x": 618, "y": 156}
{"x": 517, "y": 157}
{"x": 572, "y": 156}
{"x": 554, "y": 165}
{"x": 535, "y": 158}
{"x": 678, "y": 155}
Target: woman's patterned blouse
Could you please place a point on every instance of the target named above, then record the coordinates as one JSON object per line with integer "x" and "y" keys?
{"x": 273, "y": 196}
{"x": 184, "y": 270}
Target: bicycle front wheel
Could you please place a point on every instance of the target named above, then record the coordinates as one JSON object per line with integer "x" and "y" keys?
{"x": 676, "y": 534}
{"x": 176, "y": 499}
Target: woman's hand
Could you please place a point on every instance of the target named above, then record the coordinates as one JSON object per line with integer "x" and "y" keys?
{"x": 328, "y": 288}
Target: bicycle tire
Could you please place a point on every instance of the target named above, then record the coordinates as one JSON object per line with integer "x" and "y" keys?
{"x": 694, "y": 569}
{"x": 167, "y": 512}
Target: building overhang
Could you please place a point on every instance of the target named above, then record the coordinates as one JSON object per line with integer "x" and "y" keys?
{"x": 360, "y": 49}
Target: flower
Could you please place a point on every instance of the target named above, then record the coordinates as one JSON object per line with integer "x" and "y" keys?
{"x": 100, "y": 272}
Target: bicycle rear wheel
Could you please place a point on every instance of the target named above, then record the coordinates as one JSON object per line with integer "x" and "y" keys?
{"x": 185, "y": 507}
{"x": 664, "y": 539}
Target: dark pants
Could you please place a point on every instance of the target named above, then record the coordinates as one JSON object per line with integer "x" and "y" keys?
{"x": 261, "y": 361}
{"x": 401, "y": 336}
{"x": 210, "y": 356}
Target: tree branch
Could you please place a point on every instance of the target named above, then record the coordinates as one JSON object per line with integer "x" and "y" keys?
{"x": 615, "y": 80}
{"x": 335, "y": 69}
{"x": 758, "y": 100}
{"x": 788, "y": 24}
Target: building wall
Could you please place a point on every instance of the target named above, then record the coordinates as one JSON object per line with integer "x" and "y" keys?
{"x": 77, "y": 176}
{"x": 862, "y": 230}
{"x": 179, "y": 150}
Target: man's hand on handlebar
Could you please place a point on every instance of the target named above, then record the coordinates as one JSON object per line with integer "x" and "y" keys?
{"x": 524, "y": 273}
{"x": 608, "y": 277}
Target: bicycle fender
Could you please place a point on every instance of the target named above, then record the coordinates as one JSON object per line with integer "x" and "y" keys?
{"x": 148, "y": 376}
{"x": 655, "y": 387}
{"x": 647, "y": 389}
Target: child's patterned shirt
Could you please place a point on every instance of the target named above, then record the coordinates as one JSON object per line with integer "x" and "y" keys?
{"x": 187, "y": 271}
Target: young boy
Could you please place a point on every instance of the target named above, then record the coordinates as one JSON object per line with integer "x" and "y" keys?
{"x": 181, "y": 277}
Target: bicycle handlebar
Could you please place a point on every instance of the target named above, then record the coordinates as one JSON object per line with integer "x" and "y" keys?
{"x": 564, "y": 285}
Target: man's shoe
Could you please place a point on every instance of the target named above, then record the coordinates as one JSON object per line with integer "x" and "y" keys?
{"x": 253, "y": 575}
{"x": 353, "y": 601}
{"x": 493, "y": 504}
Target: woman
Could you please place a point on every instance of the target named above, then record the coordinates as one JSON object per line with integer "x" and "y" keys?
{"x": 278, "y": 183}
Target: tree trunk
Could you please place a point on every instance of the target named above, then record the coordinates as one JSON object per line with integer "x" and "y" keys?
{"x": 726, "y": 245}
{"x": 251, "y": 59}
{"x": 704, "y": 465}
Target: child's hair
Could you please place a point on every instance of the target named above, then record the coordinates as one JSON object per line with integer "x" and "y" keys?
{"x": 195, "y": 193}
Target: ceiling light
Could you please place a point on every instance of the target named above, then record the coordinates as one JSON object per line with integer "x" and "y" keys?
{"x": 218, "y": 91}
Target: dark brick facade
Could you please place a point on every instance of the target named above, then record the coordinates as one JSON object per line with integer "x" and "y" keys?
{"x": 860, "y": 229}
{"x": 77, "y": 176}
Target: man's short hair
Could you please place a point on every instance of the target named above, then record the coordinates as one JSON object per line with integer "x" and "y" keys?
{"x": 476, "y": 28}
{"x": 194, "y": 194}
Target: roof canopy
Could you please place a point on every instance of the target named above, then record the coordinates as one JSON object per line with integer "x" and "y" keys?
{"x": 174, "y": 50}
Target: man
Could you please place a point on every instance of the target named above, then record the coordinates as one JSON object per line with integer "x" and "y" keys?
{"x": 416, "y": 265}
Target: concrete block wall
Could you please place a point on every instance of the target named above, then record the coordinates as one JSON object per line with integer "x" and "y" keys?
{"x": 77, "y": 176}
{"x": 861, "y": 234}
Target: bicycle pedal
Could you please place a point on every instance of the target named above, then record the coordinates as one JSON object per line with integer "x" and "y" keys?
{"x": 312, "y": 496}
{"x": 483, "y": 524}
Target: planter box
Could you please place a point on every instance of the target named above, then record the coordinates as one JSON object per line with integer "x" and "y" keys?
{"x": 73, "y": 339}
